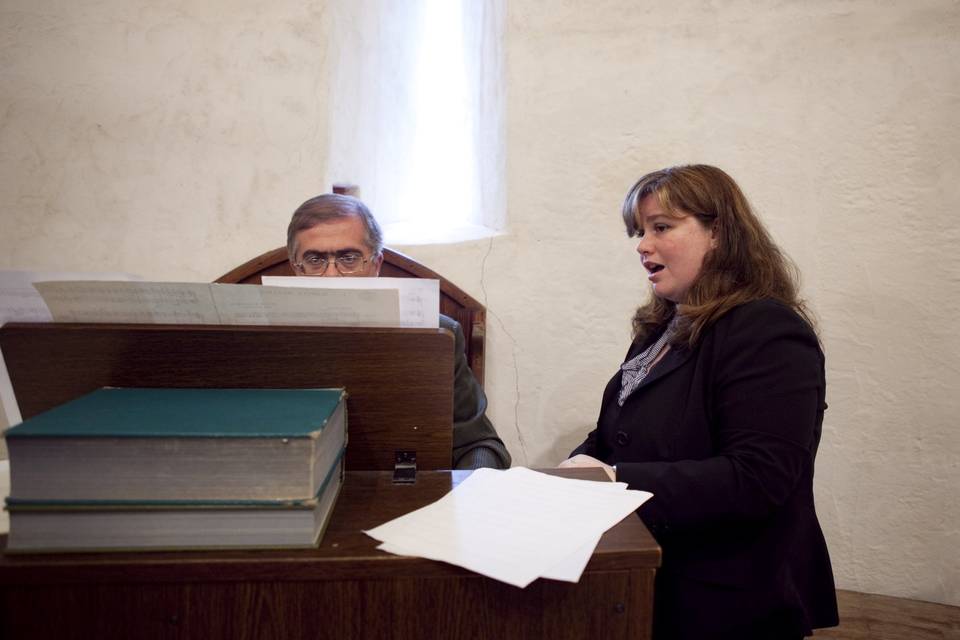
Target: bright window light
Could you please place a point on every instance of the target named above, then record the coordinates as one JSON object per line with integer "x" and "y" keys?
{"x": 442, "y": 155}
{"x": 416, "y": 115}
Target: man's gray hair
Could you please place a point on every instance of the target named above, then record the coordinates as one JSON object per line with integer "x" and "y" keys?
{"x": 333, "y": 206}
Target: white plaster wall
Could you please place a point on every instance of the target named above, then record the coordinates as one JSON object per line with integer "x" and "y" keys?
{"x": 841, "y": 121}
{"x": 172, "y": 138}
{"x": 166, "y": 138}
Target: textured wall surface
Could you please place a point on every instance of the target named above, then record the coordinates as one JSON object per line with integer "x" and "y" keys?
{"x": 841, "y": 121}
{"x": 172, "y": 139}
{"x": 164, "y": 138}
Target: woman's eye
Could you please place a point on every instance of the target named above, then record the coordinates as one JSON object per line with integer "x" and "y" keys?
{"x": 659, "y": 228}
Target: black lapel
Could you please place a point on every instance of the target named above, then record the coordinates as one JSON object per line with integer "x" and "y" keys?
{"x": 671, "y": 360}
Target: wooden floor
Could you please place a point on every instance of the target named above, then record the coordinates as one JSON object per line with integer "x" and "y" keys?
{"x": 865, "y": 616}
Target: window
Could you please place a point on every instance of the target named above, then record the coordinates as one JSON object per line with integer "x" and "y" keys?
{"x": 417, "y": 115}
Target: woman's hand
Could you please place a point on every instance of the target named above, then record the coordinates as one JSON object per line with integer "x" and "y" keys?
{"x": 581, "y": 460}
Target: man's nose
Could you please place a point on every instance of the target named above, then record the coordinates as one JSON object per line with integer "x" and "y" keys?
{"x": 331, "y": 271}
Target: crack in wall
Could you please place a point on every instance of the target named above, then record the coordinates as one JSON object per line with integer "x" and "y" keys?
{"x": 513, "y": 351}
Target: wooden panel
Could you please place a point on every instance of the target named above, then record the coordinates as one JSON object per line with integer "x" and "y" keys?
{"x": 272, "y": 263}
{"x": 398, "y": 380}
{"x": 404, "y": 608}
{"x": 343, "y": 589}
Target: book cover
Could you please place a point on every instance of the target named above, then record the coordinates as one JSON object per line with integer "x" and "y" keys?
{"x": 185, "y": 413}
{"x": 179, "y": 444}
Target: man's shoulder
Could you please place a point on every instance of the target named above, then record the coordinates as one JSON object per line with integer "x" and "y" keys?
{"x": 446, "y": 322}
{"x": 451, "y": 325}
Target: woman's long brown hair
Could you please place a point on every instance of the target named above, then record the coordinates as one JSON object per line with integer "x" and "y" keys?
{"x": 744, "y": 265}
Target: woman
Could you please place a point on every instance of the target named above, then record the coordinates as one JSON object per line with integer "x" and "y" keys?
{"x": 717, "y": 411}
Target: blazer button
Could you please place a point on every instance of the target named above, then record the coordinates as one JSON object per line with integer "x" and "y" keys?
{"x": 623, "y": 438}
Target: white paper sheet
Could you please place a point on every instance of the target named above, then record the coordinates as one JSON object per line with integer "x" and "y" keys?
{"x": 213, "y": 304}
{"x": 134, "y": 302}
{"x": 20, "y": 301}
{"x": 567, "y": 570}
{"x": 270, "y": 305}
{"x": 419, "y": 297}
{"x": 514, "y": 526}
{"x": 571, "y": 568}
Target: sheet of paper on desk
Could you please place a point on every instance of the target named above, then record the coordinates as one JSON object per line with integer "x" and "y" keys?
{"x": 567, "y": 570}
{"x": 21, "y": 302}
{"x": 514, "y": 526}
{"x": 419, "y": 297}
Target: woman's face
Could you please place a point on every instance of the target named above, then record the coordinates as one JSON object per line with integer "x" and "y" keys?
{"x": 672, "y": 249}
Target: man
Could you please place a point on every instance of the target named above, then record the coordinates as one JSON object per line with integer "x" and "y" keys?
{"x": 335, "y": 235}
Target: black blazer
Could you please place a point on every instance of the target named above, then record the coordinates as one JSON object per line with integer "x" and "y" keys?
{"x": 725, "y": 436}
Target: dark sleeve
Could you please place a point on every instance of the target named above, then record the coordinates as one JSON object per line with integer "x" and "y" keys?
{"x": 475, "y": 441}
{"x": 587, "y": 447}
{"x": 764, "y": 411}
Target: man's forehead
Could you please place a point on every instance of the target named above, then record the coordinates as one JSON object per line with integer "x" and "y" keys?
{"x": 333, "y": 235}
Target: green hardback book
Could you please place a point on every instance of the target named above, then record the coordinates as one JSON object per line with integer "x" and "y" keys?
{"x": 143, "y": 445}
{"x": 157, "y": 525}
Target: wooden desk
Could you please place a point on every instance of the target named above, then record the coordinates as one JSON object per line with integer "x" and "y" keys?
{"x": 344, "y": 589}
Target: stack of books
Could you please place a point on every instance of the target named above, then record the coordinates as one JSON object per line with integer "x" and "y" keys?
{"x": 177, "y": 468}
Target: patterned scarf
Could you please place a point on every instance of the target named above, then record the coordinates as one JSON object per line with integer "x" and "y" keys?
{"x": 635, "y": 369}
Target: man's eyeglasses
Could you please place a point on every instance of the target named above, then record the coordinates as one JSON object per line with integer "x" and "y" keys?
{"x": 314, "y": 263}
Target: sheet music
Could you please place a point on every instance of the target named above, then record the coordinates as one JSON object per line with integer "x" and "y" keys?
{"x": 134, "y": 302}
{"x": 514, "y": 526}
{"x": 268, "y": 305}
{"x": 213, "y": 304}
{"x": 21, "y": 302}
{"x": 419, "y": 297}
